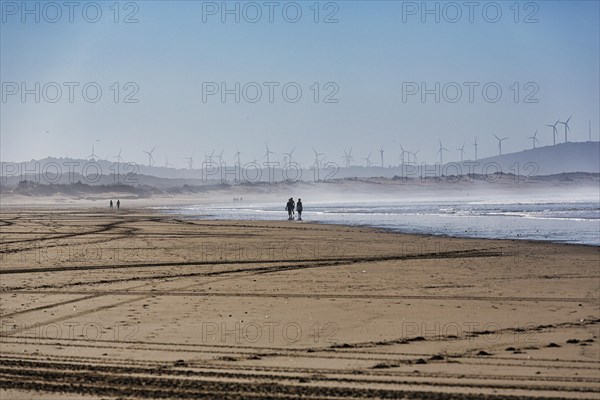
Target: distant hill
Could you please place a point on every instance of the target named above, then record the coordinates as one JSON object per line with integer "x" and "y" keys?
{"x": 547, "y": 160}
{"x": 564, "y": 157}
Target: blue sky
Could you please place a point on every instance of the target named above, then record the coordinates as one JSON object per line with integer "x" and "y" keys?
{"x": 368, "y": 55}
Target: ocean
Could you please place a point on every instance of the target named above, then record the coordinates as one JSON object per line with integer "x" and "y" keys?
{"x": 565, "y": 222}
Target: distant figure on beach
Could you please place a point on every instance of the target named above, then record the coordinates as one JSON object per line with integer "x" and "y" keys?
{"x": 111, "y": 204}
{"x": 118, "y": 204}
{"x": 290, "y": 208}
{"x": 299, "y": 209}
{"x": 293, "y": 206}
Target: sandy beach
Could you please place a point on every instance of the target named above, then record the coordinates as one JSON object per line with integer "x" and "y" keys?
{"x": 97, "y": 304}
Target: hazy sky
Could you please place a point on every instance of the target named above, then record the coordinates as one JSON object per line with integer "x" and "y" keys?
{"x": 368, "y": 61}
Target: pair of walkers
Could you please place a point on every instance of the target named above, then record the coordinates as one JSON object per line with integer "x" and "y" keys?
{"x": 291, "y": 206}
{"x": 118, "y": 204}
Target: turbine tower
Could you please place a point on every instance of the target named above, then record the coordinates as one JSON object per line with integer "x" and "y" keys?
{"x": 415, "y": 155}
{"x": 348, "y": 157}
{"x": 402, "y": 153}
{"x": 268, "y": 154}
{"x": 475, "y": 145}
{"x": 534, "y": 139}
{"x": 237, "y": 157}
{"x": 500, "y": 143}
{"x": 190, "y": 161}
{"x": 317, "y": 155}
{"x": 368, "y": 160}
{"x": 93, "y": 156}
{"x": 150, "y": 158}
{"x": 554, "y": 132}
{"x": 118, "y": 156}
{"x": 209, "y": 157}
{"x": 289, "y": 156}
{"x": 462, "y": 152}
{"x": 441, "y": 151}
{"x": 567, "y": 128}
{"x": 381, "y": 151}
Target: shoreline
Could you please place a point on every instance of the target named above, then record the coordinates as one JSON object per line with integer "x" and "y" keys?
{"x": 422, "y": 235}
{"x": 375, "y": 226}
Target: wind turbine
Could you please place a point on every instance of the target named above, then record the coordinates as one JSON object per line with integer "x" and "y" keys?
{"x": 475, "y": 145}
{"x": 208, "y": 158}
{"x": 441, "y": 151}
{"x": 150, "y": 158}
{"x": 289, "y": 156}
{"x": 167, "y": 163}
{"x": 402, "y": 153}
{"x": 566, "y": 124}
{"x": 415, "y": 155}
{"x": 268, "y": 153}
{"x": 93, "y": 156}
{"x": 534, "y": 138}
{"x": 220, "y": 157}
{"x": 118, "y": 156}
{"x": 348, "y": 157}
{"x": 368, "y": 159}
{"x": 554, "y": 131}
{"x": 500, "y": 142}
{"x": 381, "y": 151}
{"x": 462, "y": 152}
{"x": 190, "y": 161}
{"x": 317, "y": 155}
{"x": 237, "y": 157}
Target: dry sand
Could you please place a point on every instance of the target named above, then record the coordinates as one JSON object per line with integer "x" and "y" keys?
{"x": 135, "y": 305}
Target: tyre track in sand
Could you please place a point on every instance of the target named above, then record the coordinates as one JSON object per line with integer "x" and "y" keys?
{"x": 378, "y": 372}
{"x": 299, "y": 295}
{"x": 347, "y": 260}
{"x": 182, "y": 383}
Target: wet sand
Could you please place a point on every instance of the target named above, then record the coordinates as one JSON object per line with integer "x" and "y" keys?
{"x": 97, "y": 305}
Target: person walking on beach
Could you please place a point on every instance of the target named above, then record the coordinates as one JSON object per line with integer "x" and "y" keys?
{"x": 118, "y": 204}
{"x": 299, "y": 209}
{"x": 111, "y": 204}
{"x": 290, "y": 208}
